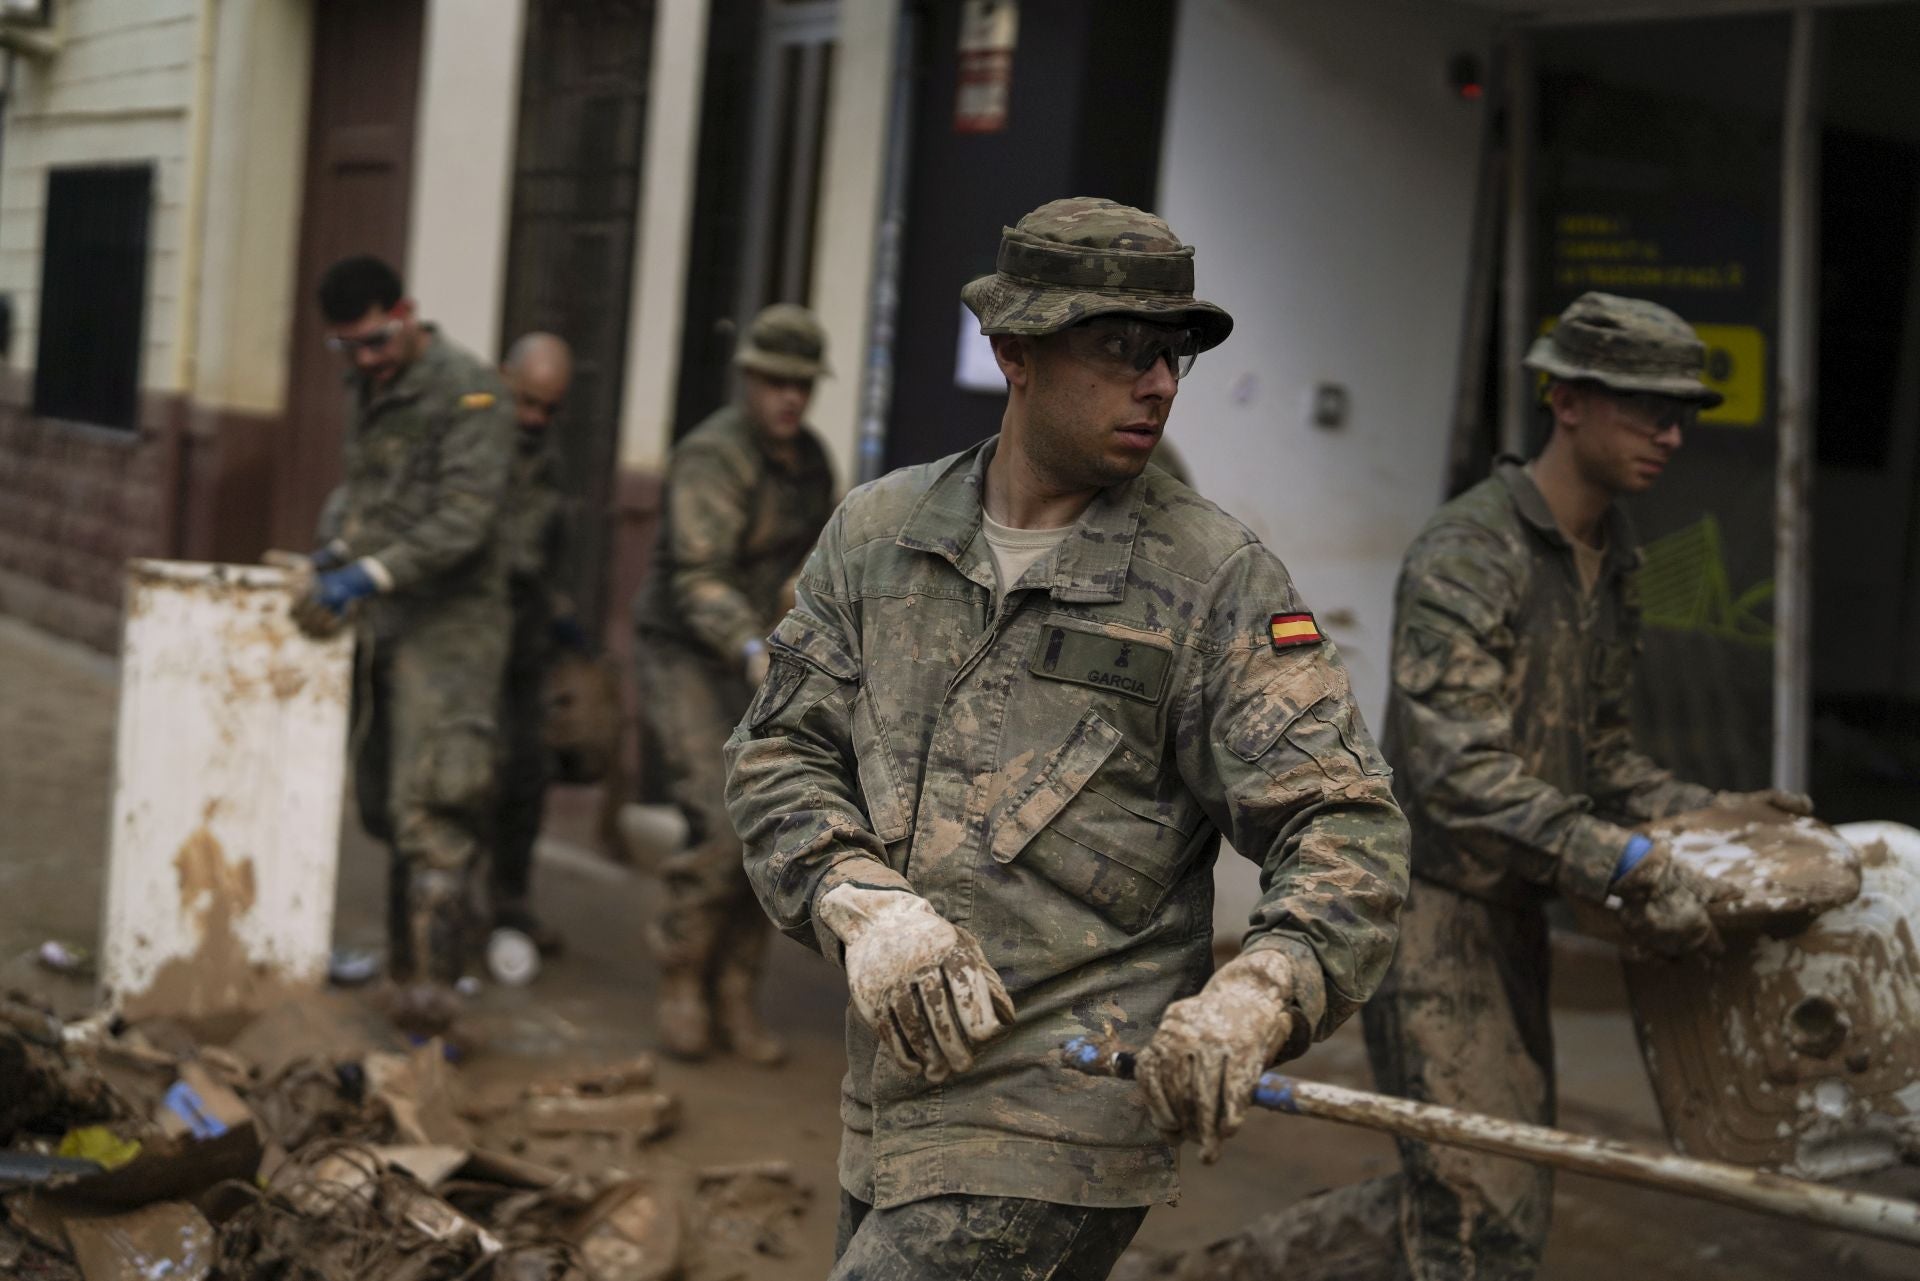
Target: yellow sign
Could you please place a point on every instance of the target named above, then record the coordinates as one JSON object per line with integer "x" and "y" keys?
{"x": 1737, "y": 369}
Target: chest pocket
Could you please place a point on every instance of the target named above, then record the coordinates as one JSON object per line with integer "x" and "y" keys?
{"x": 1063, "y": 828}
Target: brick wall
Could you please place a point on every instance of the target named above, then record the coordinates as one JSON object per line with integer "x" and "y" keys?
{"x": 75, "y": 503}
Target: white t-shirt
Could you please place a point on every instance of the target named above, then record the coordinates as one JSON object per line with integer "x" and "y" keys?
{"x": 1015, "y": 551}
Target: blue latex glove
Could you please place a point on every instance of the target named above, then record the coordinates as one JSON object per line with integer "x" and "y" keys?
{"x": 327, "y": 558}
{"x": 1637, "y": 848}
{"x": 568, "y": 634}
{"x": 339, "y": 588}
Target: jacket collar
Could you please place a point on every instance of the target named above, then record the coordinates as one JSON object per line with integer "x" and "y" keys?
{"x": 1090, "y": 566}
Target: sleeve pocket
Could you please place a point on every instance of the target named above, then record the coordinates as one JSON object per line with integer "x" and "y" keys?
{"x": 1258, "y": 725}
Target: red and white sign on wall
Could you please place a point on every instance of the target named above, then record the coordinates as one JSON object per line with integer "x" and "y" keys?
{"x": 989, "y": 30}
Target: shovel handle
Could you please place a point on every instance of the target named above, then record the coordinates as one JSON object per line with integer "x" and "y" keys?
{"x": 1887, "y": 1218}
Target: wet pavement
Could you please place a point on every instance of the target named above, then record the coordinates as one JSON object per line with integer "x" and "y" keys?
{"x": 594, "y": 1003}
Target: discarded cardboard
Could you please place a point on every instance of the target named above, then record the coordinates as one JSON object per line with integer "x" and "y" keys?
{"x": 201, "y": 1106}
{"x": 641, "y": 1115}
{"x": 614, "y": 1078}
{"x": 170, "y": 1240}
{"x": 635, "y": 1233}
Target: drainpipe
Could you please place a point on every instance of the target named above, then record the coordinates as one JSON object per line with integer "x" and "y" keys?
{"x": 1793, "y": 479}
{"x": 876, "y": 394}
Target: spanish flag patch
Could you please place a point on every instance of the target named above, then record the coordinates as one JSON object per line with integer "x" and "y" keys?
{"x": 1288, "y": 630}
{"x": 477, "y": 400}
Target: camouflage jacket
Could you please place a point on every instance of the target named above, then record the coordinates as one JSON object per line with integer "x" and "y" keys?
{"x": 1507, "y": 724}
{"x": 1056, "y": 777}
{"x": 736, "y": 526}
{"x": 427, "y": 461}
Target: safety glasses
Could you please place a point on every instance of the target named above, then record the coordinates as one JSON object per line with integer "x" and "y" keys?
{"x": 1127, "y": 347}
{"x": 348, "y": 344}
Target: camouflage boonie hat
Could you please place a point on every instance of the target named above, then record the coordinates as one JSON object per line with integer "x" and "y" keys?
{"x": 784, "y": 341}
{"x": 1070, "y": 260}
{"x": 1625, "y": 344}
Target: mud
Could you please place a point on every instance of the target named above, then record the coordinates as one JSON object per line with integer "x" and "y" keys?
{"x": 1779, "y": 871}
{"x": 1798, "y": 1053}
{"x": 217, "y": 988}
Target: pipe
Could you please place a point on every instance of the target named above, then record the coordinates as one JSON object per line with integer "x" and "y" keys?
{"x": 1888, "y": 1218}
{"x": 1793, "y": 478}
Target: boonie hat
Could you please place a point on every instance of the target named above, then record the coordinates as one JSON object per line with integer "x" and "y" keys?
{"x": 1071, "y": 260}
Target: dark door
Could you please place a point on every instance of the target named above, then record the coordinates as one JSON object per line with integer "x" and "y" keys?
{"x": 1084, "y": 116}
{"x": 576, "y": 191}
{"x": 366, "y": 84}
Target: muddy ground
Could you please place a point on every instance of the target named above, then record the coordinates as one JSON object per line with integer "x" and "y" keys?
{"x": 593, "y": 1004}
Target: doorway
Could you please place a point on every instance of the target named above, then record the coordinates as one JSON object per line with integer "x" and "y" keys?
{"x": 1866, "y": 499}
{"x": 358, "y": 190}
{"x": 576, "y": 196}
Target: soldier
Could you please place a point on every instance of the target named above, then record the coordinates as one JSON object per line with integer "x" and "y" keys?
{"x": 1515, "y": 631}
{"x": 412, "y": 537}
{"x": 1022, "y": 694}
{"x": 538, "y": 371}
{"x": 747, "y": 493}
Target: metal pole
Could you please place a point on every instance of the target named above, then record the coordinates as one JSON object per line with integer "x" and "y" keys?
{"x": 1793, "y": 482}
{"x": 1516, "y": 271}
{"x": 876, "y": 400}
{"x": 1876, "y": 1216}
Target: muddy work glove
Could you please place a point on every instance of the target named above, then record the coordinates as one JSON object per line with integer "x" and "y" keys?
{"x": 920, "y": 982}
{"x": 322, "y": 609}
{"x": 1798, "y": 804}
{"x": 1663, "y": 903}
{"x": 1200, "y": 1069}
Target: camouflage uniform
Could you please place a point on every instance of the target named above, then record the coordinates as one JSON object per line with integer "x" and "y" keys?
{"x": 1508, "y": 728}
{"x": 1055, "y": 774}
{"x": 426, "y": 472}
{"x": 738, "y": 523}
{"x": 533, "y": 529}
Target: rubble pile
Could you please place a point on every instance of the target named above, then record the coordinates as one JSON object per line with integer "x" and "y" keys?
{"x": 304, "y": 1151}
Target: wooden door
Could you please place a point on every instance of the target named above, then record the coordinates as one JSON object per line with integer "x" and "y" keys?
{"x": 360, "y": 137}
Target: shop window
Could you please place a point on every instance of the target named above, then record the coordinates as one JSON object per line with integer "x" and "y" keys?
{"x": 93, "y": 293}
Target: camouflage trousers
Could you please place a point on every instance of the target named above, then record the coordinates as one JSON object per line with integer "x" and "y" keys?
{"x": 980, "y": 1238}
{"x": 526, "y": 766}
{"x": 1463, "y": 1020}
{"x": 425, "y": 738}
{"x": 691, "y": 704}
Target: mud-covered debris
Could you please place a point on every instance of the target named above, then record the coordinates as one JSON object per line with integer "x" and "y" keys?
{"x": 614, "y": 1078}
{"x": 636, "y": 1232}
{"x": 168, "y": 1241}
{"x": 752, "y": 1209}
{"x": 640, "y": 1115}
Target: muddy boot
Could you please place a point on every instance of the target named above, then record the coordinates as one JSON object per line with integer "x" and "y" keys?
{"x": 739, "y": 1022}
{"x": 734, "y": 988}
{"x": 685, "y": 1016}
{"x": 426, "y": 1004}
